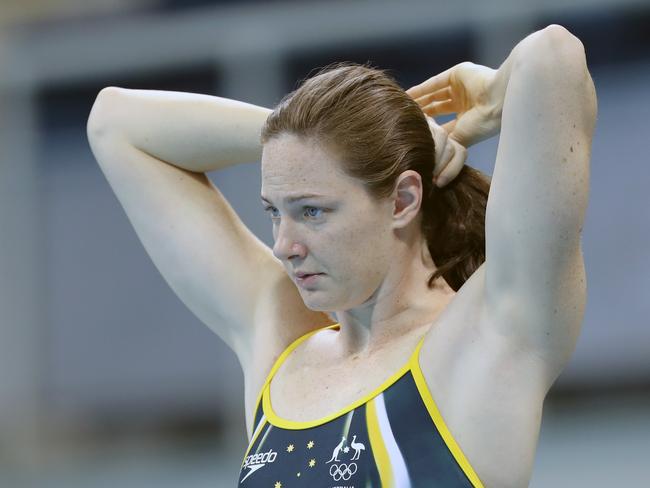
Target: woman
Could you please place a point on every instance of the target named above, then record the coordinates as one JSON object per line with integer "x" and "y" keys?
{"x": 400, "y": 332}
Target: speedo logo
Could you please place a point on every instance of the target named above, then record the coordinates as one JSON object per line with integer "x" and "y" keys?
{"x": 257, "y": 461}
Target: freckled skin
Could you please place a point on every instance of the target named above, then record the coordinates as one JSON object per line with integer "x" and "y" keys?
{"x": 348, "y": 243}
{"x": 373, "y": 253}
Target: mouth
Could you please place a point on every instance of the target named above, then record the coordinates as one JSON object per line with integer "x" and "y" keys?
{"x": 301, "y": 274}
{"x": 307, "y": 278}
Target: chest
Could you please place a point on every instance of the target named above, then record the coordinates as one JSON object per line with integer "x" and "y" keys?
{"x": 308, "y": 393}
{"x": 484, "y": 391}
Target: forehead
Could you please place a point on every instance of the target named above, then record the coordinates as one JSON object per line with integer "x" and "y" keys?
{"x": 291, "y": 164}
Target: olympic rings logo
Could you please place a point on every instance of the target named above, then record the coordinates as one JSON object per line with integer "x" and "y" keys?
{"x": 342, "y": 471}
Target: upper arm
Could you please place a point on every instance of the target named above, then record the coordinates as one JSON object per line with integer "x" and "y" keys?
{"x": 535, "y": 276}
{"x": 210, "y": 259}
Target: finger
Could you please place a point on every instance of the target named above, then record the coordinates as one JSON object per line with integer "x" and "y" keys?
{"x": 449, "y": 126}
{"x": 454, "y": 167}
{"x": 432, "y": 122}
{"x": 439, "y": 135}
{"x": 439, "y": 140}
{"x": 440, "y": 108}
{"x": 437, "y": 96}
{"x": 446, "y": 155}
{"x": 432, "y": 84}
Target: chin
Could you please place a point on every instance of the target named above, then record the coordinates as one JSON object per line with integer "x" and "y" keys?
{"x": 325, "y": 308}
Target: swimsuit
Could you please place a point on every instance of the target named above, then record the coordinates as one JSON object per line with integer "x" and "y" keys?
{"x": 393, "y": 437}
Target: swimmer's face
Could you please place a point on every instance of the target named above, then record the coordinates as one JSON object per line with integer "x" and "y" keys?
{"x": 343, "y": 233}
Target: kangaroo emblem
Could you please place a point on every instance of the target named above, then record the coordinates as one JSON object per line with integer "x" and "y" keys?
{"x": 337, "y": 449}
{"x": 358, "y": 447}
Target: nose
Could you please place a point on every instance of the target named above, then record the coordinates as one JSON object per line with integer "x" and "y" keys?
{"x": 286, "y": 244}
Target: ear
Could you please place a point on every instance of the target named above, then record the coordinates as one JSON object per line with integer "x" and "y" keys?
{"x": 407, "y": 197}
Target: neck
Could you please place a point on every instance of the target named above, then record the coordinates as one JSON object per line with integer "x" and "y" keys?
{"x": 402, "y": 305}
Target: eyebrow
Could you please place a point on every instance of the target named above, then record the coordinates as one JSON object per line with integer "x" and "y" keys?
{"x": 295, "y": 198}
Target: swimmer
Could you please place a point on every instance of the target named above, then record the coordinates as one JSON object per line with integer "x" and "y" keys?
{"x": 412, "y": 313}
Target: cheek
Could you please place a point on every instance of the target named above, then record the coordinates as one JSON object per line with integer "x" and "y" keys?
{"x": 355, "y": 283}
{"x": 356, "y": 251}
{"x": 362, "y": 258}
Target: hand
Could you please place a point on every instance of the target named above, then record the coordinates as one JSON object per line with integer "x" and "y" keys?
{"x": 468, "y": 90}
{"x": 450, "y": 155}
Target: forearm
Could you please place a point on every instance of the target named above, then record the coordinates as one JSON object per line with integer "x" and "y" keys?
{"x": 192, "y": 131}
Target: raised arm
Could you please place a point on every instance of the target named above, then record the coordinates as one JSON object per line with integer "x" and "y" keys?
{"x": 535, "y": 275}
{"x": 153, "y": 147}
{"x": 543, "y": 100}
{"x": 193, "y": 131}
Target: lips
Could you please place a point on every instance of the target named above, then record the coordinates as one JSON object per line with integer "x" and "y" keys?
{"x": 308, "y": 280}
{"x": 302, "y": 274}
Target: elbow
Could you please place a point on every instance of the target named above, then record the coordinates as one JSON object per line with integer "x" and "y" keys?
{"x": 560, "y": 34}
{"x": 568, "y": 52}
{"x": 555, "y": 52}
{"x": 562, "y": 47}
{"x": 101, "y": 118}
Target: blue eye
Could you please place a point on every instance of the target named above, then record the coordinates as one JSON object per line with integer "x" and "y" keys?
{"x": 271, "y": 209}
{"x": 307, "y": 209}
{"x": 310, "y": 212}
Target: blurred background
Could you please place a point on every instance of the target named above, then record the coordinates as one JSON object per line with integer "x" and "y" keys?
{"x": 107, "y": 379}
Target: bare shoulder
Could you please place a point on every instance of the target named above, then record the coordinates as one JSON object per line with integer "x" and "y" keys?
{"x": 281, "y": 317}
{"x": 485, "y": 386}
{"x": 465, "y": 348}
{"x": 455, "y": 331}
{"x": 466, "y": 333}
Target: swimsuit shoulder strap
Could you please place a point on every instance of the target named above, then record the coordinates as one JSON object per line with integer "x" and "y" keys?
{"x": 284, "y": 355}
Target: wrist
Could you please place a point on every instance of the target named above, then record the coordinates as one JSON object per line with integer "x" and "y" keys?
{"x": 496, "y": 91}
